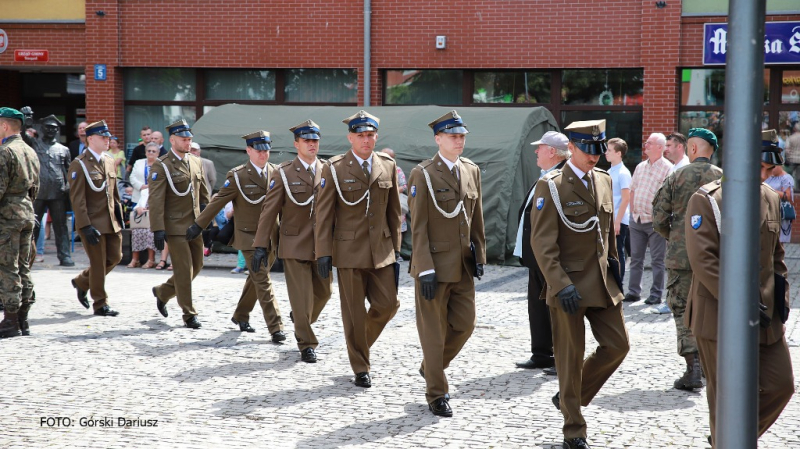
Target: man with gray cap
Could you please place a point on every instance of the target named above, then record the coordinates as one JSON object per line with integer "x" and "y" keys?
{"x": 551, "y": 154}
{"x": 54, "y": 160}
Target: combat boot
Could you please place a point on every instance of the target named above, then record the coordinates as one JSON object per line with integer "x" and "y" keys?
{"x": 691, "y": 379}
{"x": 9, "y": 327}
{"x": 22, "y": 315}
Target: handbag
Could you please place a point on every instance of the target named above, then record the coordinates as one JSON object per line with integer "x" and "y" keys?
{"x": 787, "y": 209}
{"x": 140, "y": 221}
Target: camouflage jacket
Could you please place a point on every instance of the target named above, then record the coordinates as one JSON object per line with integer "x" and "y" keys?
{"x": 669, "y": 207}
{"x": 19, "y": 180}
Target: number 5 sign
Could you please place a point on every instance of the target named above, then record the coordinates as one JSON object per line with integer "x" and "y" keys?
{"x": 100, "y": 72}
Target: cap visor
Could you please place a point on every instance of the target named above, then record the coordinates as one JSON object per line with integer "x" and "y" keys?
{"x": 261, "y": 146}
{"x": 310, "y": 136}
{"x": 363, "y": 129}
{"x": 594, "y": 149}
{"x": 455, "y": 130}
{"x": 184, "y": 134}
{"x": 538, "y": 142}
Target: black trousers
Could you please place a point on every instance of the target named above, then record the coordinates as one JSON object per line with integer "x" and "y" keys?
{"x": 539, "y": 316}
{"x": 58, "y": 210}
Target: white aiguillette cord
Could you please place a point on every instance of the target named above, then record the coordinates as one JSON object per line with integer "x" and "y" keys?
{"x": 336, "y": 183}
{"x": 310, "y": 199}
{"x": 459, "y": 207}
{"x": 239, "y": 186}
{"x": 586, "y": 226}
{"x": 89, "y": 179}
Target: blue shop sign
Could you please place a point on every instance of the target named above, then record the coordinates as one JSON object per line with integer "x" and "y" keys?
{"x": 781, "y": 43}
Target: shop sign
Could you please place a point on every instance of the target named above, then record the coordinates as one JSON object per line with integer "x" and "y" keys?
{"x": 100, "y": 72}
{"x": 31, "y": 55}
{"x": 781, "y": 43}
{"x": 3, "y": 41}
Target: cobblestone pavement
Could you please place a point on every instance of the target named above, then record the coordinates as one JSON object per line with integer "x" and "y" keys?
{"x": 218, "y": 387}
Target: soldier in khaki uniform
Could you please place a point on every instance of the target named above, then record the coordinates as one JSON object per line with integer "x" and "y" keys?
{"x": 449, "y": 249}
{"x": 246, "y": 186}
{"x": 669, "y": 211}
{"x": 293, "y": 190}
{"x": 19, "y": 184}
{"x": 775, "y": 378}
{"x": 358, "y": 230}
{"x": 178, "y": 194}
{"x": 572, "y": 235}
{"x": 96, "y": 204}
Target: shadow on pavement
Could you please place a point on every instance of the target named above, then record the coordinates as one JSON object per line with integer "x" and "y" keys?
{"x": 655, "y": 400}
{"x": 523, "y": 382}
{"x": 66, "y": 317}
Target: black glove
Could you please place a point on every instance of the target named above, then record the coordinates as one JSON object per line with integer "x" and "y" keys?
{"x": 569, "y": 299}
{"x": 91, "y": 235}
{"x": 193, "y": 232}
{"x": 259, "y": 258}
{"x": 158, "y": 238}
{"x": 324, "y": 266}
{"x": 764, "y": 319}
{"x": 428, "y": 284}
{"x": 478, "y": 270}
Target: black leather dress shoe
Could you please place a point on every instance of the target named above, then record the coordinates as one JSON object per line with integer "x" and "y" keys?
{"x": 81, "y": 295}
{"x": 550, "y": 371}
{"x": 536, "y": 362}
{"x": 192, "y": 323}
{"x": 161, "y": 306}
{"x": 277, "y": 337}
{"x": 106, "y": 311}
{"x": 557, "y": 401}
{"x": 291, "y": 317}
{"x": 244, "y": 326}
{"x": 575, "y": 443}
{"x": 363, "y": 380}
{"x": 630, "y": 297}
{"x": 67, "y": 262}
{"x": 422, "y": 373}
{"x": 440, "y": 407}
{"x": 308, "y": 355}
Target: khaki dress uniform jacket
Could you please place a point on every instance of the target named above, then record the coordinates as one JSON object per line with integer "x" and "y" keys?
{"x": 775, "y": 378}
{"x": 567, "y": 257}
{"x": 362, "y": 239}
{"x": 446, "y": 322}
{"x": 308, "y": 292}
{"x": 174, "y": 214}
{"x": 258, "y": 286}
{"x": 96, "y": 209}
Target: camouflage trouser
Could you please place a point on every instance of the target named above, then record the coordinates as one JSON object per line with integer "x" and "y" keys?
{"x": 678, "y": 282}
{"x": 15, "y": 271}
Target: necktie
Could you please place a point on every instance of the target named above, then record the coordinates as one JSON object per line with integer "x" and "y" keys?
{"x": 589, "y": 184}
{"x": 310, "y": 171}
{"x": 454, "y": 171}
{"x": 365, "y": 166}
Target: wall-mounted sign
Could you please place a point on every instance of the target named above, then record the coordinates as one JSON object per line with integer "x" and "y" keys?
{"x": 31, "y": 55}
{"x": 99, "y": 72}
{"x": 3, "y": 41}
{"x": 781, "y": 43}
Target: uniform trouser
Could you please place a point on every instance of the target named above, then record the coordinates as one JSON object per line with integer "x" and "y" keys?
{"x": 258, "y": 286}
{"x": 103, "y": 257}
{"x": 642, "y": 235}
{"x": 187, "y": 261}
{"x": 58, "y": 211}
{"x": 308, "y": 294}
{"x": 678, "y": 283}
{"x": 361, "y": 326}
{"x": 539, "y": 316}
{"x": 16, "y": 285}
{"x": 775, "y": 381}
{"x": 579, "y": 380}
{"x": 444, "y": 323}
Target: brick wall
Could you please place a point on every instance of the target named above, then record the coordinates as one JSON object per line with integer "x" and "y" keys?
{"x": 64, "y": 42}
{"x": 104, "y": 99}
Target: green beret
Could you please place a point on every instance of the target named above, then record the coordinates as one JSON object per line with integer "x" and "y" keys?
{"x": 12, "y": 113}
{"x": 706, "y": 135}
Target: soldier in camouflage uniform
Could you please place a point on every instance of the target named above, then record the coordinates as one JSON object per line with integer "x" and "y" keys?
{"x": 669, "y": 211}
{"x": 19, "y": 184}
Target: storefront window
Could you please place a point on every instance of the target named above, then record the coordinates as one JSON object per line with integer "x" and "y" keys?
{"x": 170, "y": 84}
{"x": 321, "y": 86}
{"x": 713, "y": 121}
{"x": 602, "y": 87}
{"x": 623, "y": 124}
{"x": 156, "y": 117}
{"x": 511, "y": 87}
{"x": 240, "y": 85}
{"x": 790, "y": 86}
{"x": 706, "y": 87}
{"x": 441, "y": 87}
{"x": 789, "y": 135}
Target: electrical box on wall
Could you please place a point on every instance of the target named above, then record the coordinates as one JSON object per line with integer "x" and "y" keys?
{"x": 441, "y": 42}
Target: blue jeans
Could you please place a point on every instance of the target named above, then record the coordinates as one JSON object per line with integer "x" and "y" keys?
{"x": 40, "y": 237}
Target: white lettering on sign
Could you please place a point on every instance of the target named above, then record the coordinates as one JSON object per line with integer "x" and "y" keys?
{"x": 794, "y": 40}
{"x": 720, "y": 41}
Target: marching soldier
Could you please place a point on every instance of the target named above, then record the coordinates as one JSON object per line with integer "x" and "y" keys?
{"x": 246, "y": 186}
{"x": 449, "y": 249}
{"x": 178, "y": 194}
{"x": 19, "y": 183}
{"x": 95, "y": 199}
{"x": 669, "y": 211}
{"x": 775, "y": 379}
{"x": 293, "y": 192}
{"x": 358, "y": 231}
{"x": 572, "y": 236}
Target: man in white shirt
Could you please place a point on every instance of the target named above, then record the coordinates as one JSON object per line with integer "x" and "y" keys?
{"x": 675, "y": 151}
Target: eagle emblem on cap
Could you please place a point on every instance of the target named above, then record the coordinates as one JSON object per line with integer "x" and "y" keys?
{"x": 595, "y": 132}
{"x": 696, "y": 221}
{"x": 539, "y": 203}
{"x": 361, "y": 114}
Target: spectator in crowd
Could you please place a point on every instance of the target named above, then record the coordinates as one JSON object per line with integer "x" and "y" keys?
{"x": 77, "y": 146}
{"x": 142, "y": 239}
{"x": 158, "y": 138}
{"x": 139, "y": 151}
{"x": 402, "y": 186}
{"x": 783, "y": 183}
{"x": 675, "y": 151}
{"x": 118, "y": 156}
{"x": 621, "y": 187}
{"x": 209, "y": 171}
{"x": 647, "y": 179}
{"x": 793, "y": 152}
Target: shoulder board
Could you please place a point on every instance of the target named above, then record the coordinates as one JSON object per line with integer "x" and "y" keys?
{"x": 385, "y": 156}
{"x": 711, "y": 187}
{"x": 600, "y": 170}
{"x": 553, "y": 174}
{"x": 336, "y": 158}
{"x": 237, "y": 168}
{"x": 426, "y": 163}
{"x": 272, "y": 166}
{"x": 467, "y": 161}
{"x": 323, "y": 161}
{"x": 286, "y": 163}
{"x": 164, "y": 157}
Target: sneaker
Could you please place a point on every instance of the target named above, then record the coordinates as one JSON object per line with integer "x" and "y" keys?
{"x": 651, "y": 301}
{"x": 239, "y": 270}
{"x": 39, "y": 259}
{"x": 661, "y": 309}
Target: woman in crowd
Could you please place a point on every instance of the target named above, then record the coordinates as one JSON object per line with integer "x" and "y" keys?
{"x": 783, "y": 183}
{"x": 141, "y": 238}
